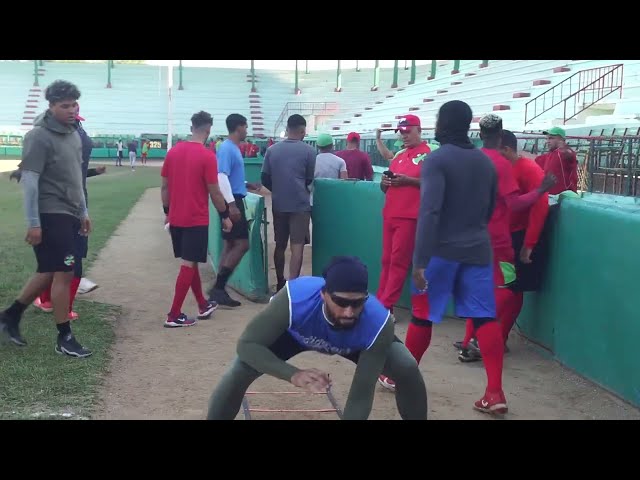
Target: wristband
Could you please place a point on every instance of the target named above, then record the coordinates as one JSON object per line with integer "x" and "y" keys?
{"x": 166, "y": 210}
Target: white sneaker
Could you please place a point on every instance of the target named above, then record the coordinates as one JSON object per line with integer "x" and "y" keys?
{"x": 86, "y": 286}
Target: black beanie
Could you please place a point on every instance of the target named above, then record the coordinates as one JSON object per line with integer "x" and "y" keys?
{"x": 455, "y": 116}
{"x": 346, "y": 274}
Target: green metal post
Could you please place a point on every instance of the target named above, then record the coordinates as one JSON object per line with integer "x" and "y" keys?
{"x": 376, "y": 76}
{"x": 395, "y": 74}
{"x": 306, "y": 66}
{"x": 484, "y": 64}
{"x": 338, "y": 78}
{"x": 253, "y": 76}
{"x": 297, "y": 89}
{"x": 456, "y": 67}
{"x": 413, "y": 72}
{"x": 357, "y": 65}
{"x": 180, "y": 87}
{"x": 35, "y": 73}
{"x": 42, "y": 63}
{"x": 109, "y": 67}
{"x": 433, "y": 70}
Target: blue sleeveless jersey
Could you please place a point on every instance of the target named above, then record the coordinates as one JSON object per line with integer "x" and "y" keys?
{"x": 309, "y": 326}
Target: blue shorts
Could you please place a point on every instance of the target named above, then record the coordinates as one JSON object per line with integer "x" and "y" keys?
{"x": 472, "y": 288}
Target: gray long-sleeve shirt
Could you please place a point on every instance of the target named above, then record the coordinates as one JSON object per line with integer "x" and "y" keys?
{"x": 457, "y": 198}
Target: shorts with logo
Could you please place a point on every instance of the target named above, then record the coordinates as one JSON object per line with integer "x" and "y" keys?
{"x": 472, "y": 288}
{"x": 57, "y": 250}
{"x": 190, "y": 243}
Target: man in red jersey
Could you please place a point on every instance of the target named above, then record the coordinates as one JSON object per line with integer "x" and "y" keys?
{"x": 508, "y": 199}
{"x": 526, "y": 228}
{"x": 189, "y": 177}
{"x": 358, "y": 162}
{"x": 560, "y": 160}
{"x": 401, "y": 185}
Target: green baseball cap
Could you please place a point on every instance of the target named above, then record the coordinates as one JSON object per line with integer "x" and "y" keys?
{"x": 324, "y": 140}
{"x": 556, "y": 132}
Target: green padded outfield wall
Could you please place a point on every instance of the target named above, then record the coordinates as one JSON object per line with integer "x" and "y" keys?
{"x": 347, "y": 220}
{"x": 251, "y": 276}
{"x": 587, "y": 313}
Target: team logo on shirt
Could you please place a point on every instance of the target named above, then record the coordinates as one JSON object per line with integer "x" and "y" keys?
{"x": 419, "y": 158}
{"x": 69, "y": 260}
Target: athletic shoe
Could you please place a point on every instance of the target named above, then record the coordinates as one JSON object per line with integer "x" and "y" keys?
{"x": 46, "y": 307}
{"x": 472, "y": 344}
{"x": 68, "y": 345}
{"x": 180, "y": 321}
{"x": 11, "y": 330}
{"x": 86, "y": 286}
{"x": 72, "y": 316}
{"x": 494, "y": 403}
{"x": 387, "y": 383}
{"x": 469, "y": 355}
{"x": 222, "y": 298}
{"x": 206, "y": 310}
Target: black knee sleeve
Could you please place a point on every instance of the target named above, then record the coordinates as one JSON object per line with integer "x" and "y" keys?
{"x": 478, "y": 322}
{"x": 421, "y": 323}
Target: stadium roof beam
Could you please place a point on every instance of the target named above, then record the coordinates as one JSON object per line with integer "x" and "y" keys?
{"x": 376, "y": 77}
{"x": 395, "y": 74}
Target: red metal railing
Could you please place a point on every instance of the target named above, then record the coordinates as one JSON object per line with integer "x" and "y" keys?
{"x": 578, "y": 92}
{"x": 304, "y": 108}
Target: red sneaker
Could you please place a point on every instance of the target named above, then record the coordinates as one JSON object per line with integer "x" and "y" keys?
{"x": 494, "y": 403}
{"x": 46, "y": 307}
{"x": 387, "y": 383}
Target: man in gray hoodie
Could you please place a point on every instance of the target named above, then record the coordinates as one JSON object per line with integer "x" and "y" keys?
{"x": 56, "y": 210}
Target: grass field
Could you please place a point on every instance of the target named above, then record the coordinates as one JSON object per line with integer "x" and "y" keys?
{"x": 35, "y": 382}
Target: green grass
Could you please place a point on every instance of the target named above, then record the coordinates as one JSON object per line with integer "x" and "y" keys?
{"x": 35, "y": 382}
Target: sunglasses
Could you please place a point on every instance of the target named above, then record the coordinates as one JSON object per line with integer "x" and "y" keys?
{"x": 349, "y": 302}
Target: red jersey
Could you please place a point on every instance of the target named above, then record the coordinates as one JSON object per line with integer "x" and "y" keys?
{"x": 499, "y": 225}
{"x": 189, "y": 168}
{"x": 358, "y": 163}
{"x": 404, "y": 202}
{"x": 563, "y": 163}
{"x": 529, "y": 177}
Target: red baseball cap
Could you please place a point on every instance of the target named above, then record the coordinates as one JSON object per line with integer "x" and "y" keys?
{"x": 353, "y": 136}
{"x": 78, "y": 117}
{"x": 408, "y": 121}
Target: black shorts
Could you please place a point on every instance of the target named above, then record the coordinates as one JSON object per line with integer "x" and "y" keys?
{"x": 57, "y": 250}
{"x": 294, "y": 225}
{"x": 240, "y": 230}
{"x": 190, "y": 243}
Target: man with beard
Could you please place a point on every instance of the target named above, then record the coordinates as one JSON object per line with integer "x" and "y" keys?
{"x": 334, "y": 315}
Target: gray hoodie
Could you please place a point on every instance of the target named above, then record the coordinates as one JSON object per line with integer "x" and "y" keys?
{"x": 54, "y": 151}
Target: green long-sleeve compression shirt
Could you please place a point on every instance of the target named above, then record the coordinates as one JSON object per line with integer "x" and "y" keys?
{"x": 273, "y": 321}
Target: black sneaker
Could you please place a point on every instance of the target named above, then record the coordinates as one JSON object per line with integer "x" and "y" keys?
{"x": 180, "y": 321}
{"x": 222, "y": 298}
{"x": 469, "y": 355}
{"x": 68, "y": 345}
{"x": 11, "y": 330}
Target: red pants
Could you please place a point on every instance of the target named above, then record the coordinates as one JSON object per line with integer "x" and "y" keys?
{"x": 398, "y": 240}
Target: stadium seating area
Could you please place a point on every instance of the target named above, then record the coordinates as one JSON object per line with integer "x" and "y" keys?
{"x": 137, "y": 101}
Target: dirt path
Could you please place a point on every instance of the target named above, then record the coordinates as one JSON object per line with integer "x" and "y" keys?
{"x": 159, "y": 373}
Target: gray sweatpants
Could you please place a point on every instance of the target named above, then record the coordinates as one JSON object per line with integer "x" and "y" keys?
{"x": 132, "y": 159}
{"x": 411, "y": 393}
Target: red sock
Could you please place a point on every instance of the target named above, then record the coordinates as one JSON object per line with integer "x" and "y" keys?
{"x": 196, "y": 287}
{"x": 510, "y": 315}
{"x": 183, "y": 284}
{"x": 492, "y": 351}
{"x": 46, "y": 295}
{"x": 73, "y": 290}
{"x": 469, "y": 330}
{"x": 418, "y": 340}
